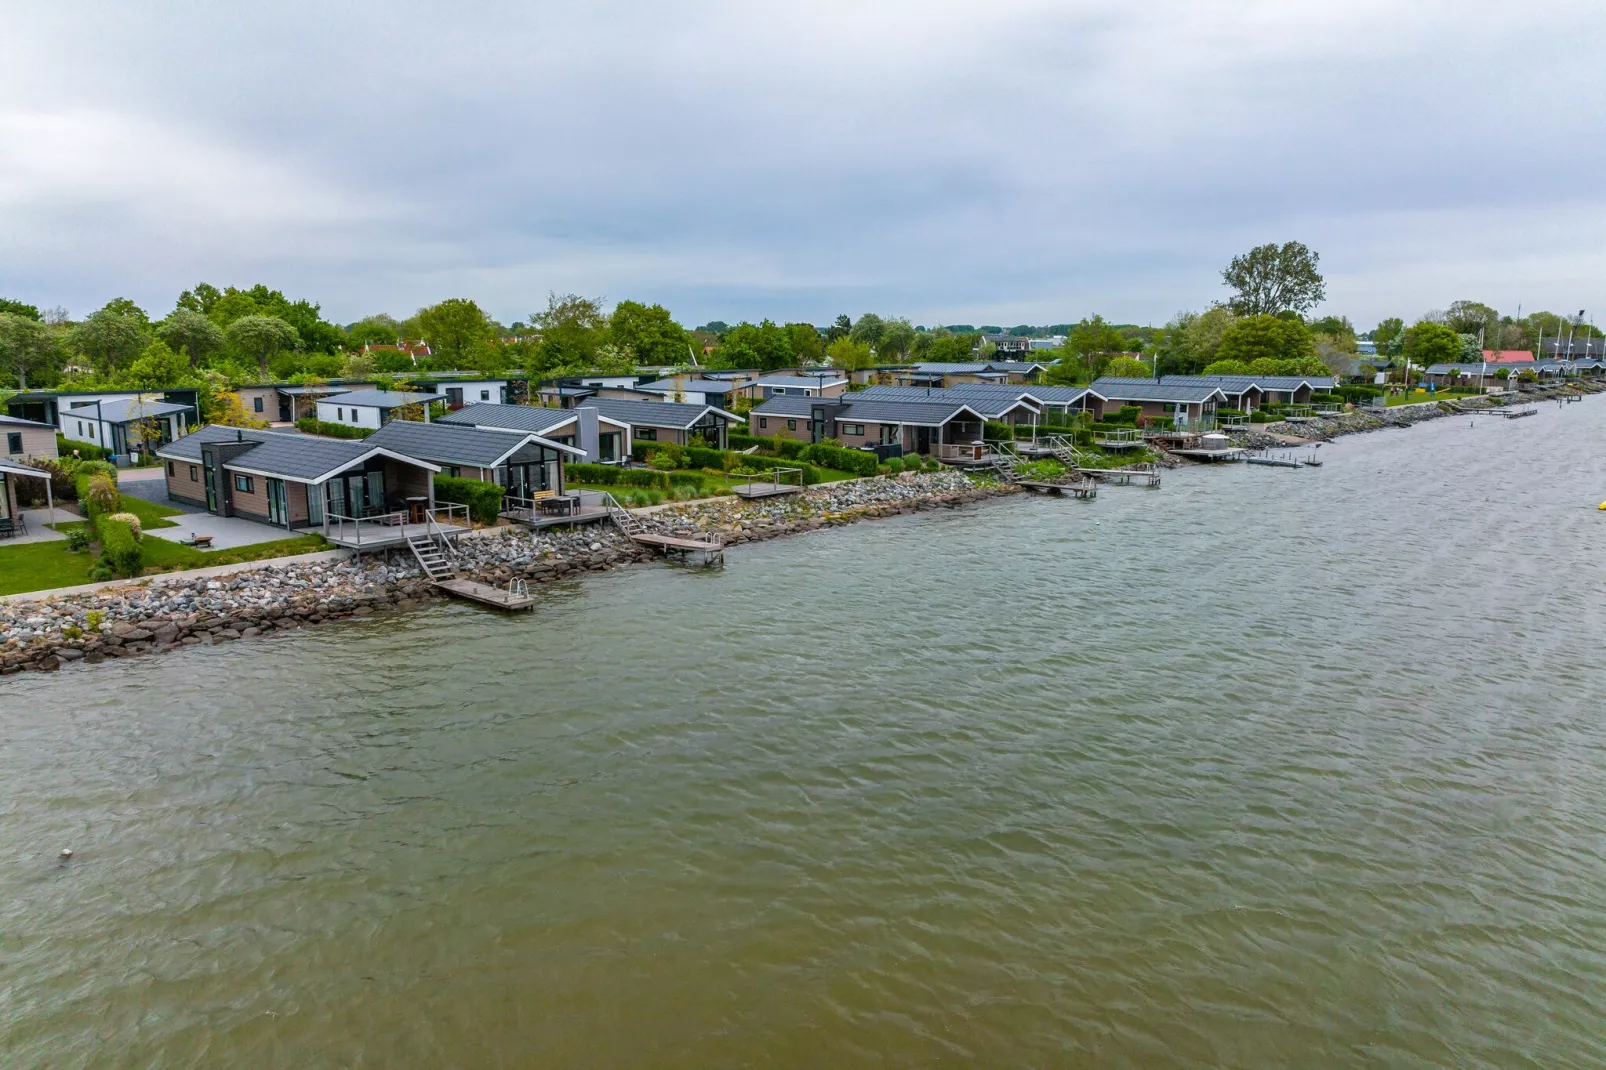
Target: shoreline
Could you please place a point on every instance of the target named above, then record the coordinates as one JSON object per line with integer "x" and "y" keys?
{"x": 158, "y": 614}
{"x": 46, "y": 630}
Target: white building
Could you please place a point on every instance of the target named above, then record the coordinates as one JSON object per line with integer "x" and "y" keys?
{"x": 124, "y": 423}
{"x": 370, "y": 408}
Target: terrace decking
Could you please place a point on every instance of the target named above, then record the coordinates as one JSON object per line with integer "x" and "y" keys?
{"x": 763, "y": 490}
{"x": 365, "y": 535}
{"x": 516, "y": 596}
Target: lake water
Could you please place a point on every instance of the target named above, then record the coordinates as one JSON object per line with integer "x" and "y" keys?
{"x": 1264, "y": 768}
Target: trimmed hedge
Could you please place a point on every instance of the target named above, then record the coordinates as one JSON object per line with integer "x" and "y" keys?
{"x": 859, "y": 462}
{"x": 607, "y": 475}
{"x": 311, "y": 426}
{"x": 119, "y": 545}
{"x": 96, "y": 484}
{"x": 87, "y": 450}
{"x": 484, "y": 500}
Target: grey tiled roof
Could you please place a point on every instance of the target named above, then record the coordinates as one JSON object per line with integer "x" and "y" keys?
{"x": 384, "y": 399}
{"x": 827, "y": 378}
{"x": 509, "y": 417}
{"x": 688, "y": 386}
{"x": 450, "y": 443}
{"x": 922, "y": 413}
{"x": 787, "y": 405}
{"x": 278, "y": 453}
{"x": 989, "y": 399}
{"x": 649, "y": 413}
{"x": 1117, "y": 389}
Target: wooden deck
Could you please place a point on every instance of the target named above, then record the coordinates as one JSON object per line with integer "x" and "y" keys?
{"x": 487, "y": 595}
{"x": 763, "y": 490}
{"x": 1086, "y": 489}
{"x": 712, "y": 553}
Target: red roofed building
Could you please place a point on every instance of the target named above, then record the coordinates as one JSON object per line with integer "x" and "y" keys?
{"x": 1508, "y": 356}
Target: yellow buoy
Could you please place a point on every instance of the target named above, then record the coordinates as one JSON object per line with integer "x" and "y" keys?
{"x": 1603, "y": 507}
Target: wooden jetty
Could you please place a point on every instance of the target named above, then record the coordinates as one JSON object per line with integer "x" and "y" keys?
{"x": 1275, "y": 462}
{"x": 513, "y": 597}
{"x": 773, "y": 487}
{"x": 1085, "y": 490}
{"x": 1123, "y": 477}
{"x": 712, "y": 553}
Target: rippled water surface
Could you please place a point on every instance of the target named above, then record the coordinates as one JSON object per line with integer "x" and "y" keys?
{"x": 1266, "y": 768}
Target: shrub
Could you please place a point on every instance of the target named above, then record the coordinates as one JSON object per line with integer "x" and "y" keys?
{"x": 311, "y": 426}
{"x": 601, "y": 475}
{"x": 78, "y": 539}
{"x": 642, "y": 449}
{"x": 131, "y": 520}
{"x": 893, "y": 466}
{"x": 484, "y": 500}
{"x": 700, "y": 457}
{"x": 119, "y": 546}
{"x": 859, "y": 462}
{"x": 96, "y": 485}
{"x": 100, "y": 573}
{"x": 86, "y": 450}
{"x": 663, "y": 460}
{"x": 996, "y": 430}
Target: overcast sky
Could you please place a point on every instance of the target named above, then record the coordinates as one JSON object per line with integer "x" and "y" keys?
{"x": 1001, "y": 162}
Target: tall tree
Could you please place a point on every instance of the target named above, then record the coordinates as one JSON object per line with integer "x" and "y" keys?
{"x": 157, "y": 367}
{"x": 1270, "y": 279}
{"x": 869, "y": 329}
{"x": 1265, "y": 338}
{"x": 1431, "y": 343}
{"x": 849, "y": 355}
{"x": 262, "y": 338}
{"x": 650, "y": 332}
{"x": 897, "y": 338}
{"x": 27, "y": 346}
{"x": 1093, "y": 339}
{"x": 841, "y": 327}
{"x": 201, "y": 299}
{"x": 18, "y": 308}
{"x": 1385, "y": 333}
{"x": 457, "y": 331}
{"x": 380, "y": 330}
{"x": 113, "y": 336}
{"x": 572, "y": 328}
{"x": 191, "y": 333}
{"x": 1471, "y": 317}
{"x": 807, "y": 345}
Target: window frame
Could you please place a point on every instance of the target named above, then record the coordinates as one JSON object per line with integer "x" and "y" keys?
{"x": 194, "y": 475}
{"x": 14, "y": 444}
{"x": 244, "y": 483}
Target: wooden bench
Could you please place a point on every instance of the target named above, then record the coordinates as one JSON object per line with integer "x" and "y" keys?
{"x": 200, "y": 542}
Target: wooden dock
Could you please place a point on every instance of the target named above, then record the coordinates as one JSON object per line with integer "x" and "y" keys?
{"x": 712, "y": 552}
{"x": 1123, "y": 477}
{"x": 763, "y": 490}
{"x": 516, "y": 596}
{"x": 1087, "y": 489}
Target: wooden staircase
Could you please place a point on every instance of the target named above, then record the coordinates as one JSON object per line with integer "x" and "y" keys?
{"x": 435, "y": 556}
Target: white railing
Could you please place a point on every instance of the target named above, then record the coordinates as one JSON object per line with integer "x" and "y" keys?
{"x": 350, "y": 528}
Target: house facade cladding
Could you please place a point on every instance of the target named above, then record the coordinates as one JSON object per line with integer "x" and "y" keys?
{"x": 23, "y": 441}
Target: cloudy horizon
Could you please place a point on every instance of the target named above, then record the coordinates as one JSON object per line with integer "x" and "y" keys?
{"x": 1014, "y": 162}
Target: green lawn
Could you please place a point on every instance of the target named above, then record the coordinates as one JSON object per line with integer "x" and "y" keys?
{"x": 150, "y": 514}
{"x": 39, "y": 566}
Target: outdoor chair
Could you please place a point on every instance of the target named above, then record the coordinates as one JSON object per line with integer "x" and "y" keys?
{"x": 7, "y": 528}
{"x": 22, "y": 524}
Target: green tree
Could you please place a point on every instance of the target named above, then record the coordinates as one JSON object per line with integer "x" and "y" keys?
{"x": 869, "y": 329}
{"x": 1270, "y": 279}
{"x": 1384, "y": 334}
{"x": 1431, "y": 343}
{"x": 897, "y": 338}
{"x": 1471, "y": 317}
{"x": 112, "y": 337}
{"x": 17, "y": 308}
{"x": 201, "y": 299}
{"x": 807, "y": 345}
{"x": 261, "y": 338}
{"x": 158, "y": 366}
{"x": 951, "y": 349}
{"x": 1226, "y": 367}
{"x": 1271, "y": 337}
{"x": 1093, "y": 341}
{"x": 572, "y": 329}
{"x": 1127, "y": 368}
{"x": 377, "y": 330}
{"x": 191, "y": 333}
{"x": 650, "y": 332}
{"x": 456, "y": 330}
{"x": 1206, "y": 331}
{"x": 840, "y": 328}
{"x": 849, "y": 355}
{"x": 27, "y": 346}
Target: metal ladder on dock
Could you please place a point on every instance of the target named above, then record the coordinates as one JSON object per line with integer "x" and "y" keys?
{"x": 434, "y": 555}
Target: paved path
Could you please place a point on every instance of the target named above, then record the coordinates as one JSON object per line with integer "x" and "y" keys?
{"x": 227, "y": 531}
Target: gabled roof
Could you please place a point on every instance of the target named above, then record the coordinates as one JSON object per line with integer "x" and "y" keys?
{"x": 917, "y": 413}
{"x": 15, "y": 469}
{"x": 654, "y": 413}
{"x": 989, "y": 399}
{"x": 1118, "y": 389}
{"x": 792, "y": 405}
{"x": 297, "y": 457}
{"x": 510, "y": 417}
{"x": 385, "y": 399}
{"x": 458, "y": 443}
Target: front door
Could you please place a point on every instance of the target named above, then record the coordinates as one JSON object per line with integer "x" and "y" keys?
{"x": 210, "y": 475}
{"x": 922, "y": 440}
{"x": 277, "y": 513}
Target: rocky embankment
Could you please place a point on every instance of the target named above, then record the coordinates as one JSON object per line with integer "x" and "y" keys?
{"x": 165, "y": 613}
{"x": 1271, "y": 436}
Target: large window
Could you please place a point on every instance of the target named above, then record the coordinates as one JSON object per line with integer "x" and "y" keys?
{"x": 650, "y": 434}
{"x": 853, "y": 429}
{"x": 14, "y": 442}
{"x": 256, "y": 403}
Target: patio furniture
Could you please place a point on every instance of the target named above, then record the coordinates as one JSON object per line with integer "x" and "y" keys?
{"x": 200, "y": 542}
{"x": 7, "y": 528}
{"x": 417, "y": 508}
{"x": 561, "y": 505}
{"x": 22, "y": 523}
